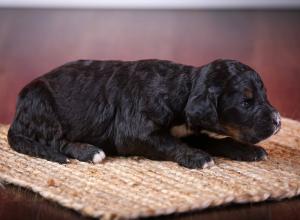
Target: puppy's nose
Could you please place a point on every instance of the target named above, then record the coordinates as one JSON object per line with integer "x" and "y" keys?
{"x": 276, "y": 119}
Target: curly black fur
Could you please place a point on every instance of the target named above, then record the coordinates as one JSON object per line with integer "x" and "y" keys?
{"x": 128, "y": 108}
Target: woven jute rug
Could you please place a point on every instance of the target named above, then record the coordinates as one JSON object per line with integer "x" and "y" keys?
{"x": 135, "y": 187}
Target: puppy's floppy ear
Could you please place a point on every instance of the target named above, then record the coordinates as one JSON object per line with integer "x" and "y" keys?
{"x": 201, "y": 109}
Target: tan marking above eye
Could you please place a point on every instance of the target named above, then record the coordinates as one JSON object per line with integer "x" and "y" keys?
{"x": 248, "y": 93}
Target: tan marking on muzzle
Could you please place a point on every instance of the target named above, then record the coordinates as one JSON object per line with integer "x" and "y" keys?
{"x": 233, "y": 132}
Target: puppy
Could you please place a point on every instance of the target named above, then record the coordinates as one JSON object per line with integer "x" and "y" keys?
{"x": 88, "y": 109}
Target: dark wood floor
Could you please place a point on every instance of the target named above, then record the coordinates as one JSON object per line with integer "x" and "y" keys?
{"x": 34, "y": 41}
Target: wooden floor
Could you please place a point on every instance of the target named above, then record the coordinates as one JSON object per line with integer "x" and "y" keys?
{"x": 34, "y": 41}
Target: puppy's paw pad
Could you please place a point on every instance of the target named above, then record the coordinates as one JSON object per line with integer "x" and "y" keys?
{"x": 99, "y": 156}
{"x": 258, "y": 154}
{"x": 196, "y": 159}
{"x": 264, "y": 157}
{"x": 208, "y": 164}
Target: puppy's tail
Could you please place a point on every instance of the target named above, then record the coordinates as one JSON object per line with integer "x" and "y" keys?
{"x": 30, "y": 147}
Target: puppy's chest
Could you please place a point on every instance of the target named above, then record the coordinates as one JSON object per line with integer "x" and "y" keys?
{"x": 181, "y": 131}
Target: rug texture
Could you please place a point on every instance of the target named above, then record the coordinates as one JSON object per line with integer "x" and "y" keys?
{"x": 135, "y": 187}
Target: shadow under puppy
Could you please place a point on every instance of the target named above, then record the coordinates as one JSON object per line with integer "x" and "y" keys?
{"x": 88, "y": 109}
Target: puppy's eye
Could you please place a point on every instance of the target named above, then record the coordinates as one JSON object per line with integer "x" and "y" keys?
{"x": 246, "y": 102}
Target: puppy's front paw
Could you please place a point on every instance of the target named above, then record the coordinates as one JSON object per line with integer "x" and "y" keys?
{"x": 195, "y": 159}
{"x": 250, "y": 153}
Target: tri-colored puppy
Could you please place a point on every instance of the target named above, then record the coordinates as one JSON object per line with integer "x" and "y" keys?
{"x": 88, "y": 109}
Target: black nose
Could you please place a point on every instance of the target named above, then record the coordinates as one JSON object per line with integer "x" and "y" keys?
{"x": 276, "y": 119}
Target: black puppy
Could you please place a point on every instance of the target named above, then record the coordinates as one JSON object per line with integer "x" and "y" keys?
{"x": 85, "y": 108}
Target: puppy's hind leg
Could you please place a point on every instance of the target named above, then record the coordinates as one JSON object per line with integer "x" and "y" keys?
{"x": 30, "y": 147}
{"x": 36, "y": 130}
{"x": 83, "y": 152}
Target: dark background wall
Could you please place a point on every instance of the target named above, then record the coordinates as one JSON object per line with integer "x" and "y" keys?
{"x": 33, "y": 41}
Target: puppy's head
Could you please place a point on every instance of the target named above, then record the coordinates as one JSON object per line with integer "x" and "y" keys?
{"x": 229, "y": 97}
